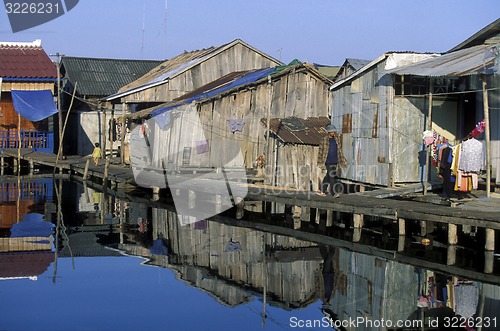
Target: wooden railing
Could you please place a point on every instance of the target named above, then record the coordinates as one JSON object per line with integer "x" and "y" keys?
{"x": 37, "y": 140}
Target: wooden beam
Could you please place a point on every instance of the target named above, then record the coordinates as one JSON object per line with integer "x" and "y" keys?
{"x": 487, "y": 137}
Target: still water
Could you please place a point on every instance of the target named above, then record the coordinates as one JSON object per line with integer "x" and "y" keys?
{"x": 93, "y": 261}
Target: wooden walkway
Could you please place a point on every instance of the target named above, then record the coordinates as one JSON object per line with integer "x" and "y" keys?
{"x": 117, "y": 173}
{"x": 368, "y": 204}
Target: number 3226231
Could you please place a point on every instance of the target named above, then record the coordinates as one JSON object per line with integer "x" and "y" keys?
{"x": 474, "y": 322}
{"x": 32, "y": 8}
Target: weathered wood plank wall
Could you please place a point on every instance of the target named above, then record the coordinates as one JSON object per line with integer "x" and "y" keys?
{"x": 295, "y": 94}
{"x": 236, "y": 58}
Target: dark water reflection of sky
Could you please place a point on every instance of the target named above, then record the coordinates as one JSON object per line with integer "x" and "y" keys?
{"x": 120, "y": 293}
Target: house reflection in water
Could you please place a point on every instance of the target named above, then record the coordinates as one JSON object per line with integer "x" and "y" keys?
{"x": 26, "y": 238}
{"x": 230, "y": 263}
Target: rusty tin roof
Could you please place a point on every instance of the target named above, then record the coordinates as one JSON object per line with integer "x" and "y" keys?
{"x": 294, "y": 130}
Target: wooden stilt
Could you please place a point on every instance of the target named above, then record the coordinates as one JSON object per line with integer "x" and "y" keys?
{"x": 451, "y": 258}
{"x": 191, "y": 199}
{"x": 218, "y": 203}
{"x": 401, "y": 243}
{"x": 358, "y": 221}
{"x": 240, "y": 209}
{"x": 156, "y": 193}
{"x": 329, "y": 217}
{"x": 489, "y": 260}
{"x": 490, "y": 240}
{"x": 86, "y": 170}
{"x": 356, "y": 235}
{"x": 306, "y": 214}
{"x": 452, "y": 234}
{"x": 106, "y": 168}
{"x": 423, "y": 228}
{"x": 402, "y": 227}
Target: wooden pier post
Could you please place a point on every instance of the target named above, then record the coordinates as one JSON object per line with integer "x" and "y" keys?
{"x": 32, "y": 167}
{"x": 297, "y": 213}
{"x": 191, "y": 199}
{"x": 357, "y": 220}
{"x": 401, "y": 243}
{"x": 423, "y": 228}
{"x": 86, "y": 171}
{"x": 402, "y": 226}
{"x": 86, "y": 192}
{"x": 451, "y": 258}
{"x": 490, "y": 240}
{"x": 489, "y": 260}
{"x": 2, "y": 165}
{"x": 356, "y": 235}
{"x": 156, "y": 193}
{"x": 452, "y": 234}
{"x": 305, "y": 215}
{"x": 106, "y": 168}
{"x": 218, "y": 203}
{"x": 329, "y": 217}
{"x": 240, "y": 208}
{"x": 317, "y": 218}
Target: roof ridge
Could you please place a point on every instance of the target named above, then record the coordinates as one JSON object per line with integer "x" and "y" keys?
{"x": 20, "y": 44}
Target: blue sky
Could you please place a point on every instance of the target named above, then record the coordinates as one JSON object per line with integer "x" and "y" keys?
{"x": 319, "y": 31}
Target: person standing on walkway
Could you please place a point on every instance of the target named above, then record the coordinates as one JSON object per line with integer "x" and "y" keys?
{"x": 329, "y": 156}
{"x": 97, "y": 154}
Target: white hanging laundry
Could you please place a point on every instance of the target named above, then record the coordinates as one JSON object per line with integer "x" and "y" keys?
{"x": 471, "y": 156}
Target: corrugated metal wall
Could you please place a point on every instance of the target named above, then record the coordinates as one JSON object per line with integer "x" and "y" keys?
{"x": 382, "y": 133}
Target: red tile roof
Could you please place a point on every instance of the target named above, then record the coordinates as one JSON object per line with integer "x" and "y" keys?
{"x": 24, "y": 61}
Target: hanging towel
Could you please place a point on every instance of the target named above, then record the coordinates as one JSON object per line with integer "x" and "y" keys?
{"x": 236, "y": 125}
{"x": 202, "y": 146}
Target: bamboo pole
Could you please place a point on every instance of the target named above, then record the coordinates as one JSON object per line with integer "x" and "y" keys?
{"x": 428, "y": 148}
{"x": 59, "y": 149}
{"x": 19, "y": 144}
{"x": 18, "y": 203}
{"x": 122, "y": 136}
{"x": 104, "y": 125}
{"x": 487, "y": 137}
{"x": 112, "y": 128}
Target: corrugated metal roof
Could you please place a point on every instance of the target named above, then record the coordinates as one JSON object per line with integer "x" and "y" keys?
{"x": 101, "y": 77}
{"x": 204, "y": 91}
{"x": 357, "y": 63}
{"x": 223, "y": 81}
{"x": 165, "y": 67}
{"x": 469, "y": 61}
{"x": 25, "y": 62}
{"x": 480, "y": 37}
{"x": 230, "y": 83}
{"x": 177, "y": 65}
{"x": 236, "y": 81}
{"x": 294, "y": 130}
